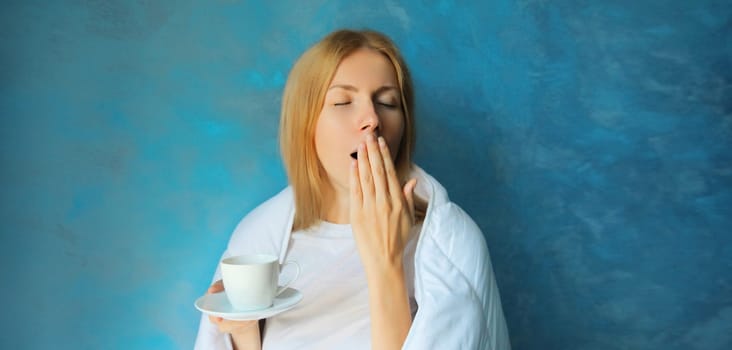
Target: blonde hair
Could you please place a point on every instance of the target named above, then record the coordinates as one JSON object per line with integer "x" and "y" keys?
{"x": 302, "y": 102}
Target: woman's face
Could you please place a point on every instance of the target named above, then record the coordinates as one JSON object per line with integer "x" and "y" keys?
{"x": 362, "y": 98}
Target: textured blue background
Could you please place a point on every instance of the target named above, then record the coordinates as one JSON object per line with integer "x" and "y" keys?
{"x": 592, "y": 142}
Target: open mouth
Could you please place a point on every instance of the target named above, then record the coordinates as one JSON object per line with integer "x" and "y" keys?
{"x": 354, "y": 155}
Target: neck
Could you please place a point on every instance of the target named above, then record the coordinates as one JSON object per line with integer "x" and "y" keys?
{"x": 336, "y": 205}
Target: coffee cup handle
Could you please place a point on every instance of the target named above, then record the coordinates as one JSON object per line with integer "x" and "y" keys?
{"x": 282, "y": 288}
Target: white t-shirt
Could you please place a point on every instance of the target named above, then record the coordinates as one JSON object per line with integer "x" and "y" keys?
{"x": 334, "y": 311}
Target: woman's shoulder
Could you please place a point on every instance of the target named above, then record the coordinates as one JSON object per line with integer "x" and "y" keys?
{"x": 444, "y": 221}
{"x": 271, "y": 207}
{"x": 266, "y": 223}
{"x": 447, "y": 227}
{"x": 455, "y": 231}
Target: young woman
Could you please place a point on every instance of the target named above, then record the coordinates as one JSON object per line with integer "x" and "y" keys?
{"x": 387, "y": 261}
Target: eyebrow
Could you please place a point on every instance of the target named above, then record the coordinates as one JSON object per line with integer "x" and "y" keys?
{"x": 354, "y": 89}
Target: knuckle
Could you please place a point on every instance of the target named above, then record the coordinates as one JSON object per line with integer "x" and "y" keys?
{"x": 383, "y": 202}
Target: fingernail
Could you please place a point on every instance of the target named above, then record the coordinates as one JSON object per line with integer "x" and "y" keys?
{"x": 370, "y": 137}
{"x": 381, "y": 141}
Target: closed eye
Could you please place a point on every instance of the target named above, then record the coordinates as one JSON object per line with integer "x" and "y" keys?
{"x": 342, "y": 103}
{"x": 387, "y": 105}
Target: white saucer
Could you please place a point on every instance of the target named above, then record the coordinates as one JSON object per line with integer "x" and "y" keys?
{"x": 218, "y": 305}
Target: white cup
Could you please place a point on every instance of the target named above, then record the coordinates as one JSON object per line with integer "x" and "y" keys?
{"x": 250, "y": 281}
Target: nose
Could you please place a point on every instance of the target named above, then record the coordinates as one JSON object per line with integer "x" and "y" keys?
{"x": 369, "y": 118}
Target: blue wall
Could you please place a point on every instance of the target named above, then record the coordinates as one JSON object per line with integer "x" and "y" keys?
{"x": 591, "y": 142}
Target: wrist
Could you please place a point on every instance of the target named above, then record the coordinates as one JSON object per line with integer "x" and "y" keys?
{"x": 385, "y": 272}
{"x": 389, "y": 306}
{"x": 246, "y": 338}
{"x": 386, "y": 279}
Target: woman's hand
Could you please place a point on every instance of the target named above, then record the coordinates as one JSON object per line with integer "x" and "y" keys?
{"x": 382, "y": 215}
{"x": 381, "y": 211}
{"x": 244, "y": 334}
